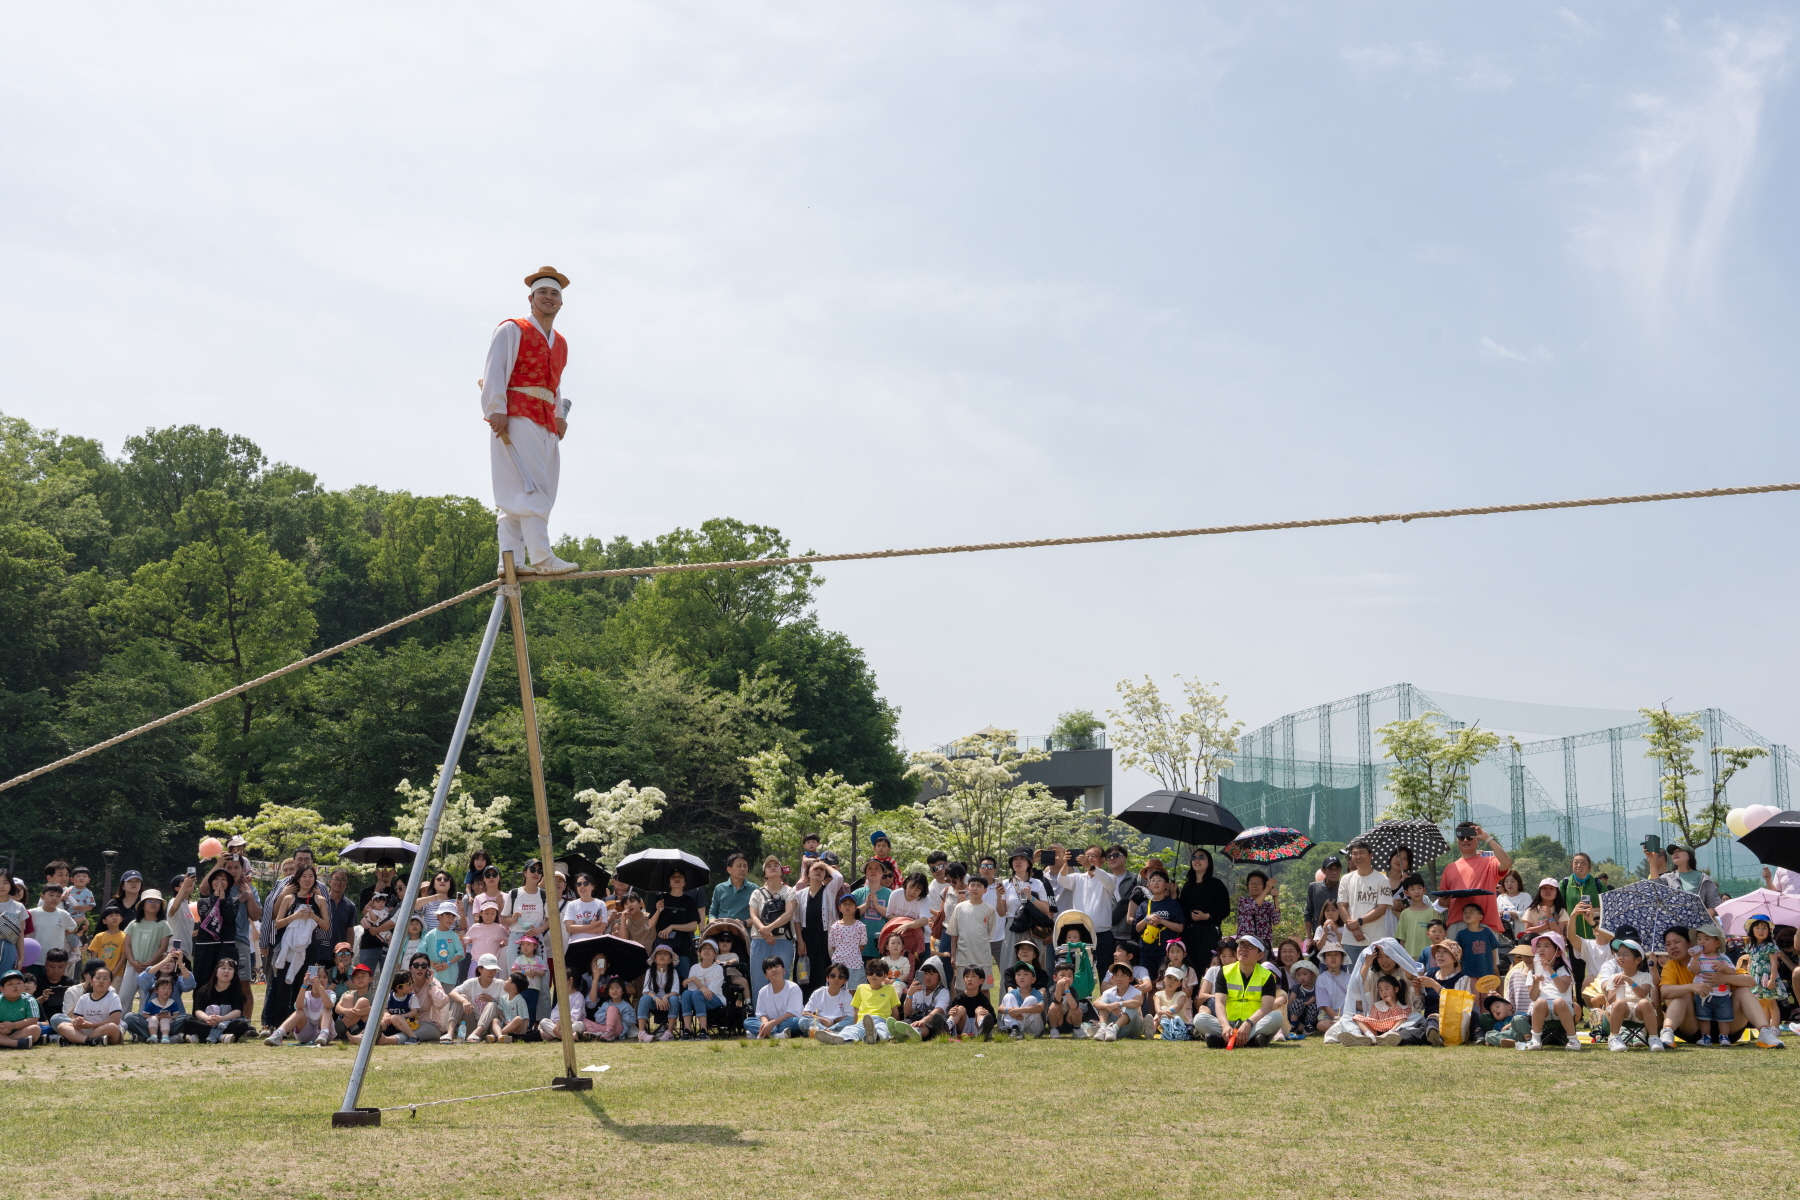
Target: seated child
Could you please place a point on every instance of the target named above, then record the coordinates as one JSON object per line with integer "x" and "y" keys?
{"x": 1022, "y": 1008}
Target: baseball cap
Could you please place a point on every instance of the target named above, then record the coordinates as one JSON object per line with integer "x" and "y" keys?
{"x": 342, "y": 948}
{"x": 362, "y": 967}
{"x": 488, "y": 961}
{"x": 1332, "y": 861}
{"x": 1253, "y": 940}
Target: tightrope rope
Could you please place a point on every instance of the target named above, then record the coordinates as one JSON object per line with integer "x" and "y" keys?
{"x": 459, "y": 1099}
{"x": 968, "y": 548}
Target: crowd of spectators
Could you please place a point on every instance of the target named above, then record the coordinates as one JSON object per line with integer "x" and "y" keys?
{"x": 1053, "y": 944}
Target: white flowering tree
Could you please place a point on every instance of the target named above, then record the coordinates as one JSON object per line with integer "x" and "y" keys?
{"x": 785, "y": 805}
{"x": 1185, "y": 749}
{"x": 615, "y": 817}
{"x": 465, "y": 827}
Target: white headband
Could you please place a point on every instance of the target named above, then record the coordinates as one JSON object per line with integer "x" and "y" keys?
{"x": 546, "y": 282}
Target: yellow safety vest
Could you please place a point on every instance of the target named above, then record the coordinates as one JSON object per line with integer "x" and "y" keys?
{"x": 1243, "y": 1000}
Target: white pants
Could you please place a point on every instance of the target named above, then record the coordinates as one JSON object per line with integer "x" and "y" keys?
{"x": 524, "y": 524}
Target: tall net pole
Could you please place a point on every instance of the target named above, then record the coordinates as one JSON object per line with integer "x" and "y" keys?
{"x": 559, "y": 970}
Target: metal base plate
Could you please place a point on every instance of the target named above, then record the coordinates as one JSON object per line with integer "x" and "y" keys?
{"x": 573, "y": 1083}
{"x": 360, "y": 1116}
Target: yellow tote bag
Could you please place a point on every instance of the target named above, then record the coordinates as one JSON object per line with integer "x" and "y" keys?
{"x": 1454, "y": 1008}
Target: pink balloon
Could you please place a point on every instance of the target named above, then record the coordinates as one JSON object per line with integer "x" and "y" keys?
{"x": 34, "y": 953}
{"x": 1756, "y": 814}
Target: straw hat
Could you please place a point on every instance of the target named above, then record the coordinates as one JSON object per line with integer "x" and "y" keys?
{"x": 531, "y": 280}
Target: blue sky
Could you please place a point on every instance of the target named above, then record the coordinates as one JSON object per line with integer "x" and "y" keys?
{"x": 907, "y": 274}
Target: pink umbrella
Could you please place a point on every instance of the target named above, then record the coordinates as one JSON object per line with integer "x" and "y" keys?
{"x": 1779, "y": 907}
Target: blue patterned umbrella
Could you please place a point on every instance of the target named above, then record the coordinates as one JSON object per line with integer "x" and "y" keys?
{"x": 1654, "y": 908}
{"x": 1266, "y": 843}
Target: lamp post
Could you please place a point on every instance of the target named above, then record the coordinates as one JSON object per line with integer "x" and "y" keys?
{"x": 111, "y": 857}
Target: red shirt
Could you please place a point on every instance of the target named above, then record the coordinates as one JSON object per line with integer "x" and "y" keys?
{"x": 1478, "y": 872}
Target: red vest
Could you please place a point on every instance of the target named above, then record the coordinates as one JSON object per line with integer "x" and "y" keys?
{"x": 539, "y": 365}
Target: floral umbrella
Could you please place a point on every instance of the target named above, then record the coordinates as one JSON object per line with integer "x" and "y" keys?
{"x": 1265, "y": 844}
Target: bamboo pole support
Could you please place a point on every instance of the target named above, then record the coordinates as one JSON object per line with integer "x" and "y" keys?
{"x": 570, "y": 1080}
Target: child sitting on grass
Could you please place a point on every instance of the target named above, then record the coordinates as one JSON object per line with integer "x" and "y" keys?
{"x": 1022, "y": 1008}
{"x": 163, "y": 1011}
{"x": 1385, "y": 1015}
{"x": 1553, "y": 992}
{"x": 875, "y": 1001}
{"x": 1174, "y": 1011}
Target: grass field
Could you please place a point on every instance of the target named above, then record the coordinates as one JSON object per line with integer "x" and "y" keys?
{"x": 971, "y": 1119}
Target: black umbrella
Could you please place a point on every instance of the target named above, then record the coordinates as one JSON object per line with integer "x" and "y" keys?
{"x": 1423, "y": 838}
{"x": 1183, "y": 817}
{"x": 625, "y": 958}
{"x": 578, "y": 864}
{"x": 650, "y": 870}
{"x": 1776, "y": 842}
{"x": 374, "y": 849}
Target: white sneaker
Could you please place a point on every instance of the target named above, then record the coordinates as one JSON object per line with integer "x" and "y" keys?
{"x": 1574, "y": 1043}
{"x": 275, "y": 1039}
{"x": 551, "y": 566}
{"x": 1769, "y": 1038}
{"x": 827, "y": 1036}
{"x": 1053, "y": 1033}
{"x": 228, "y": 1039}
{"x": 1533, "y": 1044}
{"x": 1667, "y": 1038}
{"x": 782, "y": 1034}
{"x": 1656, "y": 1044}
{"x": 1616, "y": 1042}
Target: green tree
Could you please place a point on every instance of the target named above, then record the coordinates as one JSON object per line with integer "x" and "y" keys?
{"x": 1671, "y": 739}
{"x": 657, "y": 724}
{"x": 785, "y": 804}
{"x": 277, "y": 830}
{"x": 1430, "y": 775}
{"x": 376, "y": 717}
{"x": 1075, "y": 730}
{"x": 227, "y": 601}
{"x": 1185, "y": 749}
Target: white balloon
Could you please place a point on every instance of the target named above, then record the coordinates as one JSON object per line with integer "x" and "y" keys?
{"x": 1756, "y": 814}
{"x": 1734, "y": 821}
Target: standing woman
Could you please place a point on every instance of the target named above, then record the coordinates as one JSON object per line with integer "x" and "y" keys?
{"x": 817, "y": 909}
{"x": 131, "y": 888}
{"x": 1258, "y": 910}
{"x": 1206, "y": 901}
{"x": 215, "y": 922}
{"x": 220, "y": 1005}
{"x": 299, "y": 914}
{"x": 1399, "y": 867}
{"x": 772, "y": 919}
{"x": 1685, "y": 875}
{"x": 1022, "y": 895}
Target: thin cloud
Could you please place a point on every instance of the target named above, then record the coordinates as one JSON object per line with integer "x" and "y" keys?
{"x": 1676, "y": 186}
{"x": 1490, "y": 349}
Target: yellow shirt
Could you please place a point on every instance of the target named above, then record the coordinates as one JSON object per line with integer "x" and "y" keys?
{"x": 109, "y": 948}
{"x": 871, "y": 1002}
{"x": 1676, "y": 972}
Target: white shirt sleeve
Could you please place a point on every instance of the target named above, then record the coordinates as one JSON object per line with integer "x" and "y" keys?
{"x": 502, "y": 353}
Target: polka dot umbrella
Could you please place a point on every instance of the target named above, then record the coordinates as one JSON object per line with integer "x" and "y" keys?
{"x": 1422, "y": 837}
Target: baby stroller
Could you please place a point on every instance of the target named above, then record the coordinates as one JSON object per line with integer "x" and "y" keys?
{"x": 733, "y": 940}
{"x": 1073, "y": 943}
